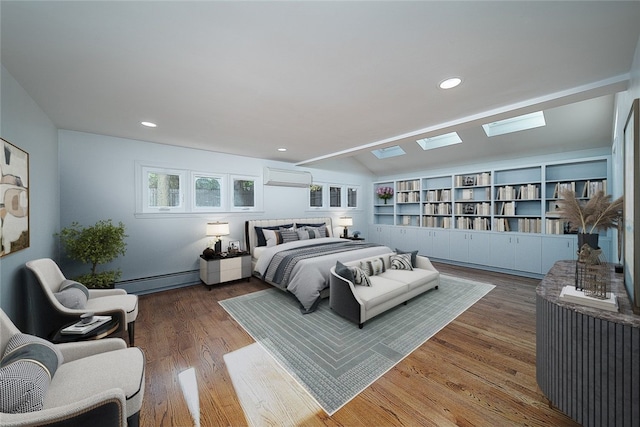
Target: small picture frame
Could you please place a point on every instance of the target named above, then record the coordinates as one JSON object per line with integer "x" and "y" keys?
{"x": 234, "y": 246}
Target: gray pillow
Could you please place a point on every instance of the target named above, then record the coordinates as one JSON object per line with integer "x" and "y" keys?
{"x": 72, "y": 298}
{"x": 344, "y": 271}
{"x": 26, "y": 369}
{"x": 414, "y": 254}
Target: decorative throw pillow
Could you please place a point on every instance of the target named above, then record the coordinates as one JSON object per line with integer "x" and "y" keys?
{"x": 413, "y": 254}
{"x": 360, "y": 277}
{"x": 272, "y": 237}
{"x": 316, "y": 232}
{"x": 26, "y": 369}
{"x": 344, "y": 271}
{"x": 288, "y": 235}
{"x": 302, "y": 225}
{"x": 401, "y": 262}
{"x": 373, "y": 266}
{"x": 262, "y": 241}
{"x": 72, "y": 294}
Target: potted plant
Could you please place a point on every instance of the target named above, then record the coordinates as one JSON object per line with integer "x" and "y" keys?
{"x": 97, "y": 244}
{"x": 599, "y": 213}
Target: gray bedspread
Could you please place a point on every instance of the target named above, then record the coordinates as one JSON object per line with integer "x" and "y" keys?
{"x": 302, "y": 267}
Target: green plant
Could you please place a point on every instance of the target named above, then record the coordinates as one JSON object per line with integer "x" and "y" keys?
{"x": 95, "y": 245}
{"x": 599, "y": 213}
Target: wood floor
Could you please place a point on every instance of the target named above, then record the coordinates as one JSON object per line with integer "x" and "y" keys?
{"x": 478, "y": 371}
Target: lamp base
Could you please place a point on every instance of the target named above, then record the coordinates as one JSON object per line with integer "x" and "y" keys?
{"x": 218, "y": 246}
{"x": 345, "y": 233}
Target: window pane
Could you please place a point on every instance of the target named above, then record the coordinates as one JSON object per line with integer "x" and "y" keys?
{"x": 243, "y": 193}
{"x": 315, "y": 196}
{"x": 335, "y": 197}
{"x": 164, "y": 190}
{"x": 208, "y": 192}
{"x": 352, "y": 197}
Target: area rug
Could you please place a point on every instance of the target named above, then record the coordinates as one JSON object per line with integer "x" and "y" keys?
{"x": 331, "y": 357}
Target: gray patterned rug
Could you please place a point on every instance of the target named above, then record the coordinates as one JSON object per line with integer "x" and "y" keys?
{"x": 328, "y": 355}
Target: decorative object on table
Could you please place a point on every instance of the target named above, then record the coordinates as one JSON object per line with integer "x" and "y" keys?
{"x": 14, "y": 194}
{"x": 98, "y": 244}
{"x": 234, "y": 247}
{"x": 356, "y": 234}
{"x": 592, "y": 273}
{"x": 599, "y": 213}
{"x": 384, "y": 193}
{"x": 345, "y": 221}
{"x": 217, "y": 229}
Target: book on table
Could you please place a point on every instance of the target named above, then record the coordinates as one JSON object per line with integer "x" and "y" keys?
{"x": 84, "y": 328}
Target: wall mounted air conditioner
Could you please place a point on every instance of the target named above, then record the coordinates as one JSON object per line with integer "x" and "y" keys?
{"x": 286, "y": 178}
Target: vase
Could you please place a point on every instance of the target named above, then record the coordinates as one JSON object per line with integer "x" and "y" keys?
{"x": 590, "y": 239}
{"x": 385, "y": 201}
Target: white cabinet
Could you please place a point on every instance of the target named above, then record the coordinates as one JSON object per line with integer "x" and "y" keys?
{"x": 556, "y": 248}
{"x": 469, "y": 246}
{"x": 516, "y": 252}
{"x": 403, "y": 238}
{"x": 225, "y": 269}
{"x": 379, "y": 234}
{"x": 433, "y": 243}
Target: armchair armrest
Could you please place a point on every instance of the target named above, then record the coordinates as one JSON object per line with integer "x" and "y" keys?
{"x": 78, "y": 350}
{"x": 97, "y": 293}
{"x": 424, "y": 263}
{"x": 342, "y": 298}
{"x": 104, "y": 409}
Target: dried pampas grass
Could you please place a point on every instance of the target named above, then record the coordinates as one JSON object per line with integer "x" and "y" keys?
{"x": 599, "y": 213}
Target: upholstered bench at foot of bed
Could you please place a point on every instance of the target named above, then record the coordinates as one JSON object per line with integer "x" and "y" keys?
{"x": 389, "y": 289}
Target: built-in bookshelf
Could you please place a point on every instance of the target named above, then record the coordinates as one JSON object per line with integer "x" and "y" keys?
{"x": 472, "y": 206}
{"x": 523, "y": 199}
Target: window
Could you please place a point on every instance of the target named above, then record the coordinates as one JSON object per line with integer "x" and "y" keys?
{"x": 209, "y": 192}
{"x": 335, "y": 197}
{"x": 315, "y": 196}
{"x": 352, "y": 197}
{"x": 246, "y": 193}
{"x": 163, "y": 190}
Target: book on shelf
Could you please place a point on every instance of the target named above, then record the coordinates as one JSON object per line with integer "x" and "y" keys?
{"x": 592, "y": 187}
{"x": 445, "y": 196}
{"x": 554, "y": 226}
{"x": 501, "y": 224}
{"x": 529, "y": 225}
{"x": 467, "y": 194}
{"x": 81, "y": 328}
{"x": 561, "y": 186}
{"x": 528, "y": 192}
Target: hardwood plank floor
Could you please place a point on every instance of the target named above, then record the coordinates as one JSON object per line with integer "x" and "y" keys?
{"x": 478, "y": 371}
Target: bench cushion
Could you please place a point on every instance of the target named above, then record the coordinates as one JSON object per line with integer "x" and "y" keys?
{"x": 381, "y": 290}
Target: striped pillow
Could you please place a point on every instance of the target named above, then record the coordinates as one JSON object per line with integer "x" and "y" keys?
{"x": 401, "y": 262}
{"x": 288, "y": 235}
{"x": 26, "y": 369}
{"x": 373, "y": 266}
{"x": 360, "y": 277}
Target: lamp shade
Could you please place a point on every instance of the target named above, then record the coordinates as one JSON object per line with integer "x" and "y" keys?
{"x": 345, "y": 221}
{"x": 217, "y": 229}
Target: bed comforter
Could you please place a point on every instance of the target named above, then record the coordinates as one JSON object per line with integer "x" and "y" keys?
{"x": 302, "y": 267}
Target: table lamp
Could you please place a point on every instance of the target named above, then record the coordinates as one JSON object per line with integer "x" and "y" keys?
{"x": 218, "y": 229}
{"x": 345, "y": 221}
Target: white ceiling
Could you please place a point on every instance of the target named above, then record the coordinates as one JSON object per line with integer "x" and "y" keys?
{"x": 326, "y": 79}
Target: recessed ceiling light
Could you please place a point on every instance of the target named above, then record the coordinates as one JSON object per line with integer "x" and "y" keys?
{"x": 385, "y": 153}
{"x": 515, "y": 124}
{"x": 282, "y": 149}
{"x": 149, "y": 124}
{"x": 439, "y": 141}
{"x": 450, "y": 83}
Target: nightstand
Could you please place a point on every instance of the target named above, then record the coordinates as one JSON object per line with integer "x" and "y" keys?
{"x": 225, "y": 269}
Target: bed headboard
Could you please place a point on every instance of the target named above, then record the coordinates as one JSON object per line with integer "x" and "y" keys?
{"x": 251, "y": 238}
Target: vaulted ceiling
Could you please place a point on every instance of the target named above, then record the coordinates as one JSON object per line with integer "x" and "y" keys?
{"x": 326, "y": 80}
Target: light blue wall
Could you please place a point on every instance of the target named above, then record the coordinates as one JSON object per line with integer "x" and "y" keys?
{"x": 25, "y": 125}
{"x": 97, "y": 182}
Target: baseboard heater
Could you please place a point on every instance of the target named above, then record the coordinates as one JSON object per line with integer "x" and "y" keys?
{"x": 161, "y": 282}
{"x": 286, "y": 178}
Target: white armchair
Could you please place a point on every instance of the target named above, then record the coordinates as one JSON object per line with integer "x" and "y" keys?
{"x": 100, "y": 301}
{"x": 98, "y": 383}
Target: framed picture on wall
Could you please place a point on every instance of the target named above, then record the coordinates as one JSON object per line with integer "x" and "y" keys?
{"x": 14, "y": 199}
{"x": 631, "y": 233}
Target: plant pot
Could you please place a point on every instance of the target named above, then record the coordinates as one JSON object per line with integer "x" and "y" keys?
{"x": 590, "y": 239}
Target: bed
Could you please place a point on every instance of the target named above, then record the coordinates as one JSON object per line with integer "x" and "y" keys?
{"x": 301, "y": 267}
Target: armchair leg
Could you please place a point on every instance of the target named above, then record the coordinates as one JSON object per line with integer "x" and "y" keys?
{"x": 131, "y": 329}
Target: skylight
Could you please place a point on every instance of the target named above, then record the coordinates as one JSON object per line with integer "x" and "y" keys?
{"x": 439, "y": 141}
{"x": 515, "y": 124}
{"x": 385, "y": 153}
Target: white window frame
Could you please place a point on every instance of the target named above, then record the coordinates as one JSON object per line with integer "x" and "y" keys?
{"x": 145, "y": 170}
{"x": 326, "y": 197}
{"x": 324, "y": 193}
{"x": 257, "y": 193}
{"x": 224, "y": 196}
{"x": 357, "y": 190}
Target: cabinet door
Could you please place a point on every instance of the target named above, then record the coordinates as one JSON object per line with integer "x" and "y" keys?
{"x": 379, "y": 234}
{"x": 403, "y": 238}
{"x": 425, "y": 242}
{"x": 556, "y": 248}
{"x": 479, "y": 250}
{"x": 441, "y": 244}
{"x": 459, "y": 246}
{"x": 528, "y": 254}
{"x": 502, "y": 255}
